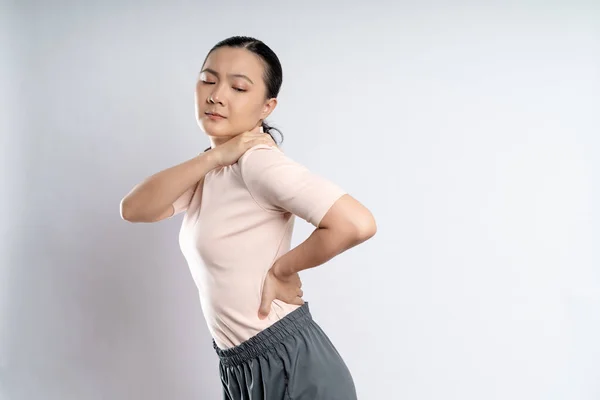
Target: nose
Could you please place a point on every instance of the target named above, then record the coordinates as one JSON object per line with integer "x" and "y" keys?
{"x": 215, "y": 96}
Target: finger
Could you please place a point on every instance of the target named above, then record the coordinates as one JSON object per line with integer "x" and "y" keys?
{"x": 253, "y": 141}
{"x": 265, "y": 304}
{"x": 260, "y": 136}
{"x": 252, "y": 132}
{"x": 262, "y": 140}
{"x": 297, "y": 279}
{"x": 297, "y": 301}
{"x": 265, "y": 309}
{"x": 251, "y": 136}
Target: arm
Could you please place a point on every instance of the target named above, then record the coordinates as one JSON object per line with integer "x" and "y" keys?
{"x": 280, "y": 184}
{"x": 153, "y": 199}
{"x": 346, "y": 224}
{"x": 170, "y": 191}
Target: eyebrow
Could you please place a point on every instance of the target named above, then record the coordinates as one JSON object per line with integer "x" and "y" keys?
{"x": 212, "y": 71}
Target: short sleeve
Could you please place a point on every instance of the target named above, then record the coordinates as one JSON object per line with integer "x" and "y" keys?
{"x": 279, "y": 183}
{"x": 182, "y": 202}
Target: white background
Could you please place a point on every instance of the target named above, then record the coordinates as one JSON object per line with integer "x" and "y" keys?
{"x": 471, "y": 131}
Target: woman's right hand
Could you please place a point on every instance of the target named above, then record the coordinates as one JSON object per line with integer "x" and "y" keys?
{"x": 229, "y": 152}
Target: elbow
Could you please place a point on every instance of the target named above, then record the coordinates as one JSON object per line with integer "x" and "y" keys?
{"x": 365, "y": 227}
{"x": 353, "y": 222}
{"x": 127, "y": 210}
{"x": 359, "y": 228}
{"x": 133, "y": 212}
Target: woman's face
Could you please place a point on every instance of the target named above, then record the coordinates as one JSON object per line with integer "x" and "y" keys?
{"x": 233, "y": 79}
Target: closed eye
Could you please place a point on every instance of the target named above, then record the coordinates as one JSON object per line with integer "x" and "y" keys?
{"x": 236, "y": 89}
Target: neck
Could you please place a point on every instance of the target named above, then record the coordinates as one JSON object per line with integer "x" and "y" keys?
{"x": 217, "y": 141}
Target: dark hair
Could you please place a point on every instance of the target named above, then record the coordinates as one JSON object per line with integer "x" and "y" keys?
{"x": 273, "y": 75}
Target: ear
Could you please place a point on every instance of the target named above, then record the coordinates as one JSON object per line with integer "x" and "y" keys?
{"x": 268, "y": 108}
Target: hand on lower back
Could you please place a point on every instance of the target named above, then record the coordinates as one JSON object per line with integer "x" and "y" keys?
{"x": 285, "y": 288}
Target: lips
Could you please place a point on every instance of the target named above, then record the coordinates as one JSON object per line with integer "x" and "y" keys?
{"x": 214, "y": 114}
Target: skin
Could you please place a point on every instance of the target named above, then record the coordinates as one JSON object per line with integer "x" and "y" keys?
{"x": 233, "y": 79}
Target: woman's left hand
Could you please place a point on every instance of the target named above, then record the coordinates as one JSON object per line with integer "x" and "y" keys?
{"x": 287, "y": 288}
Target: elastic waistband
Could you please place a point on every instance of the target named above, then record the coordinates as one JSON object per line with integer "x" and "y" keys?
{"x": 266, "y": 339}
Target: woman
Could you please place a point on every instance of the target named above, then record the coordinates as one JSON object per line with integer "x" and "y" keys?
{"x": 240, "y": 197}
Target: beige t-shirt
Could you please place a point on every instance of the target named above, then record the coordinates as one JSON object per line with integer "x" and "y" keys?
{"x": 238, "y": 221}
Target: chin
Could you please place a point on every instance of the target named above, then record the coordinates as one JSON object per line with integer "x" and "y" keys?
{"x": 210, "y": 128}
{"x": 215, "y": 130}
{"x": 223, "y": 128}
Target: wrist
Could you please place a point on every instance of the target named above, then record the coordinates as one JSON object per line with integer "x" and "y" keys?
{"x": 209, "y": 158}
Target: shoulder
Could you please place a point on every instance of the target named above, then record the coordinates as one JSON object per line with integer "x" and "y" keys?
{"x": 260, "y": 151}
{"x": 265, "y": 167}
{"x": 263, "y": 158}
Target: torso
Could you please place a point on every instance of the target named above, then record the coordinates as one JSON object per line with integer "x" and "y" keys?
{"x": 230, "y": 242}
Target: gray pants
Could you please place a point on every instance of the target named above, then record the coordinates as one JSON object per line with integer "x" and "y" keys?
{"x": 292, "y": 359}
